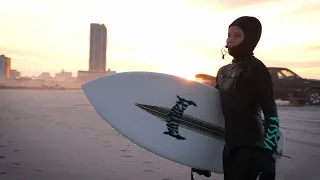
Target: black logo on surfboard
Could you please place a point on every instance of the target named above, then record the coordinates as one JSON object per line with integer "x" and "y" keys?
{"x": 176, "y": 112}
{"x": 175, "y": 117}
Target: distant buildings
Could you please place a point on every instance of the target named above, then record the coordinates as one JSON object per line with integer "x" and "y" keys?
{"x": 88, "y": 75}
{"x": 98, "y": 47}
{"x": 45, "y": 76}
{"x": 5, "y": 66}
{"x": 62, "y": 76}
{"x": 5, "y": 69}
{"x": 14, "y": 74}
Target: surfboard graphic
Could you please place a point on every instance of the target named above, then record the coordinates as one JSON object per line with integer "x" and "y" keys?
{"x": 186, "y": 121}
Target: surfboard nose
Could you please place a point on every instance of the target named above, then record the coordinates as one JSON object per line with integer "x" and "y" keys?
{"x": 85, "y": 87}
{"x": 90, "y": 88}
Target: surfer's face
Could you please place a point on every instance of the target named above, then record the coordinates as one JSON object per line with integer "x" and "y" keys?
{"x": 235, "y": 36}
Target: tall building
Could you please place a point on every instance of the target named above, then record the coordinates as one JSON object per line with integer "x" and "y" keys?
{"x": 5, "y": 66}
{"x": 98, "y": 47}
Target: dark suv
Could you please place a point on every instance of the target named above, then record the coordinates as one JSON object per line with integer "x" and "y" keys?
{"x": 287, "y": 85}
{"x": 290, "y": 86}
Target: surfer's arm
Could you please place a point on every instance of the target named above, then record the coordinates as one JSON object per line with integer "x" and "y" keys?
{"x": 263, "y": 87}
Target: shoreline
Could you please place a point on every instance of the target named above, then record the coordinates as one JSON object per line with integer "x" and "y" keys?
{"x": 36, "y": 88}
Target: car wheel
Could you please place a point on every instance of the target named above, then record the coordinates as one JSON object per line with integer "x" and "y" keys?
{"x": 313, "y": 97}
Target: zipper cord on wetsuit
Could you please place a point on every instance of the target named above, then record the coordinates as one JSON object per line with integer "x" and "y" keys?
{"x": 224, "y": 51}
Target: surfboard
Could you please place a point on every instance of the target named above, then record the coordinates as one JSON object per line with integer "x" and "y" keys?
{"x": 175, "y": 118}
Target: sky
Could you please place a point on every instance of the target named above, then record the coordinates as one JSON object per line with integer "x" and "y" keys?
{"x": 180, "y": 37}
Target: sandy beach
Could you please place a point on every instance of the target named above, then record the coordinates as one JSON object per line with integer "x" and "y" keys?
{"x": 57, "y": 135}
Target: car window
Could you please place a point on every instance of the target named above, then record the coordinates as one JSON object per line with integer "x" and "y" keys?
{"x": 287, "y": 73}
{"x": 280, "y": 75}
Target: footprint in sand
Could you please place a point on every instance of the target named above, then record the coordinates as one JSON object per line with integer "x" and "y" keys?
{"x": 146, "y": 162}
{"x": 16, "y": 163}
{"x": 147, "y": 170}
{"x": 128, "y": 156}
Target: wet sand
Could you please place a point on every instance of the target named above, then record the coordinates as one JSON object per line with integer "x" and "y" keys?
{"x": 57, "y": 135}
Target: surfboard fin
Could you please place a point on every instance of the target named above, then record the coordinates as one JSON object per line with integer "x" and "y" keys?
{"x": 284, "y": 156}
{"x": 281, "y": 155}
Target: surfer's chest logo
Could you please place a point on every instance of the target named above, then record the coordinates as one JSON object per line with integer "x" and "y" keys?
{"x": 175, "y": 115}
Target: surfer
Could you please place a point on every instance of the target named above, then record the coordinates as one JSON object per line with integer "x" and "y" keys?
{"x": 246, "y": 88}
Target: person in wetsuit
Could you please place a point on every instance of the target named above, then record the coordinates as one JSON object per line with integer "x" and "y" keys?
{"x": 246, "y": 88}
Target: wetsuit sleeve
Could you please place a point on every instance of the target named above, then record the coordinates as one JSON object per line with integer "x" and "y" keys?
{"x": 263, "y": 87}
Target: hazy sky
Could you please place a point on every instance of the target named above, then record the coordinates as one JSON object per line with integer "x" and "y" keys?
{"x": 181, "y": 37}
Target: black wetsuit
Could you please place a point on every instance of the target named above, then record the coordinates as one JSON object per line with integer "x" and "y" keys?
{"x": 246, "y": 88}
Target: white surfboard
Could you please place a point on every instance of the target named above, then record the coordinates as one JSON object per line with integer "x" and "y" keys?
{"x": 177, "y": 119}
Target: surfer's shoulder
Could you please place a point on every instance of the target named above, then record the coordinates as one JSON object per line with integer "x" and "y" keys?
{"x": 257, "y": 65}
{"x": 258, "y": 70}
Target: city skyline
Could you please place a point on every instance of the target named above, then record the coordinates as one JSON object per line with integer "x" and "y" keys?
{"x": 157, "y": 36}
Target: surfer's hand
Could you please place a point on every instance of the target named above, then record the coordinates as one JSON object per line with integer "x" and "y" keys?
{"x": 268, "y": 170}
{"x": 270, "y": 156}
{"x": 202, "y": 172}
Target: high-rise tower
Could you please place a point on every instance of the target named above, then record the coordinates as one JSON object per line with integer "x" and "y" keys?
{"x": 98, "y": 48}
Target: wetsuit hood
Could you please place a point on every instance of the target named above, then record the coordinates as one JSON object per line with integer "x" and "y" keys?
{"x": 252, "y": 29}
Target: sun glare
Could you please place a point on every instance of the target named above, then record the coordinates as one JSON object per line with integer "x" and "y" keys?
{"x": 189, "y": 77}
